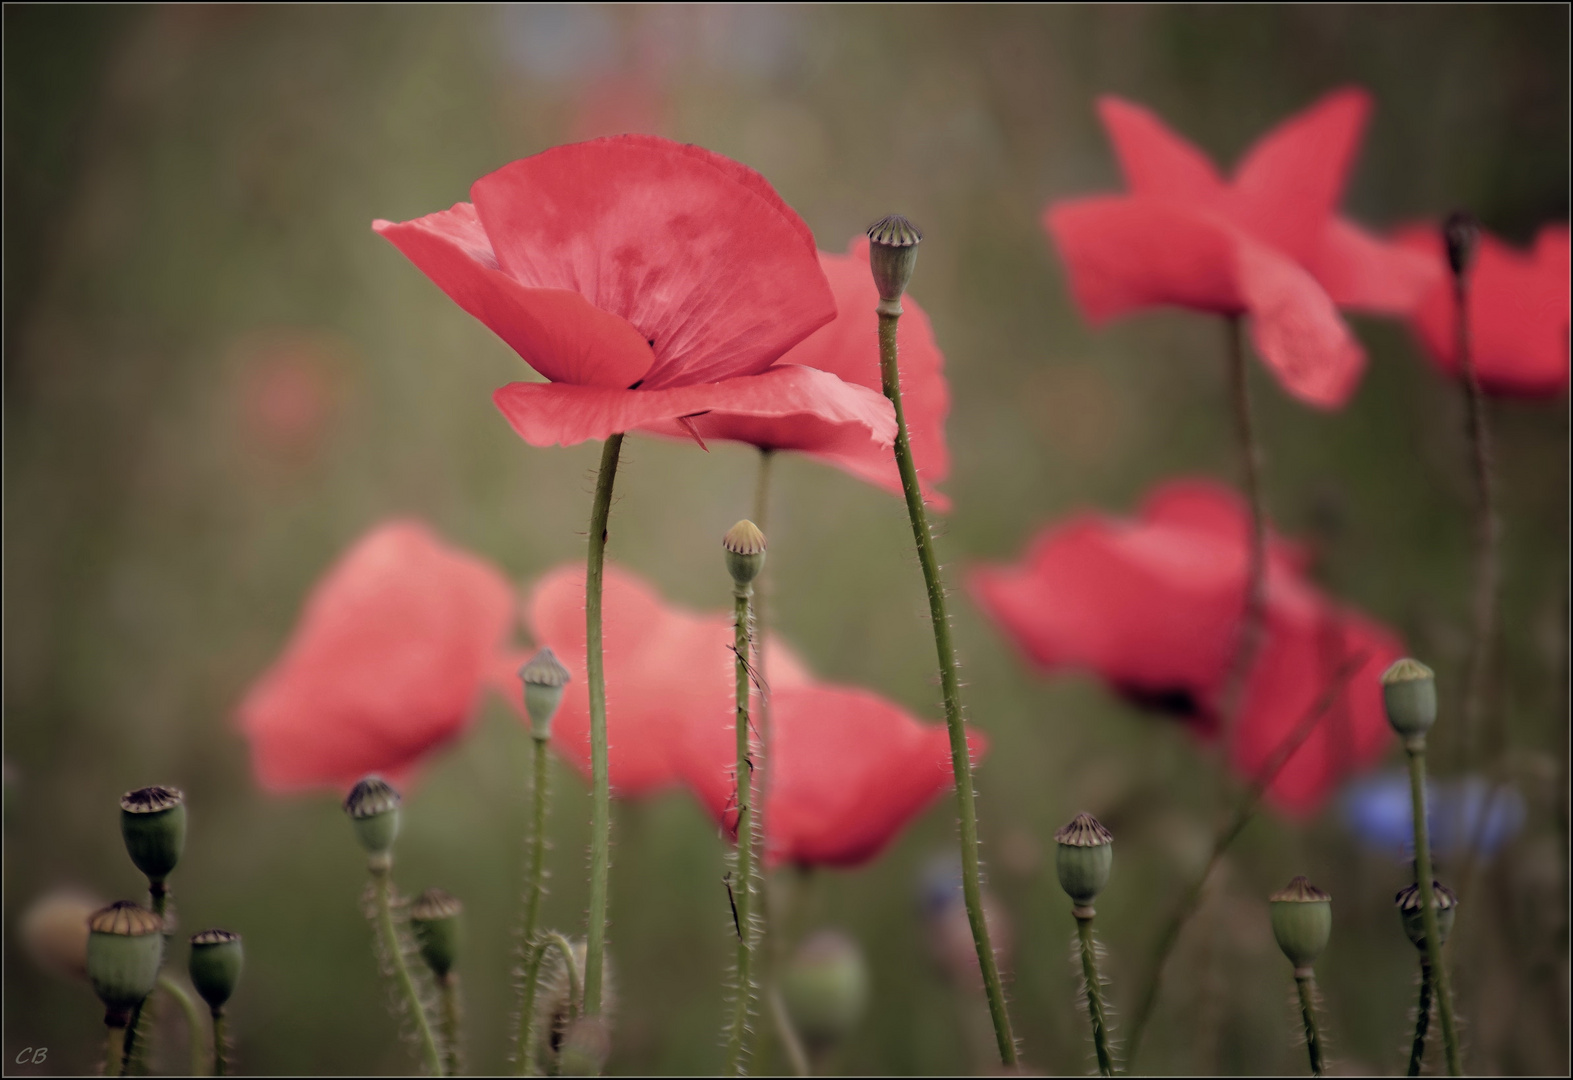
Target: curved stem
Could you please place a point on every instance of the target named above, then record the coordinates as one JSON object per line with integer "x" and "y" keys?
{"x": 742, "y": 884}
{"x": 960, "y": 757}
{"x": 535, "y": 957}
{"x": 1089, "y": 971}
{"x": 401, "y": 971}
{"x": 601, "y": 796}
{"x": 449, "y": 986}
{"x": 1415, "y": 747}
{"x": 1249, "y": 640}
{"x": 1417, "y": 1050}
{"x": 193, "y": 1020}
{"x": 1313, "y": 1037}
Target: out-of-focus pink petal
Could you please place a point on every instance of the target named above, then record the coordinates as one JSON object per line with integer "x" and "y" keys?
{"x": 1363, "y": 273}
{"x": 1157, "y": 162}
{"x": 1208, "y": 507}
{"x": 1296, "y": 329}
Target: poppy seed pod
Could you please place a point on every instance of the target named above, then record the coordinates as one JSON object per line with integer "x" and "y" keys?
{"x": 1461, "y": 234}
{"x": 1084, "y": 858}
{"x": 373, "y": 807}
{"x": 435, "y": 919}
{"x": 125, "y": 947}
{"x": 745, "y": 552}
{"x": 216, "y": 959}
{"x": 1408, "y": 901}
{"x": 153, "y": 824}
{"x": 544, "y": 678}
{"x": 1409, "y": 694}
{"x": 892, "y": 254}
{"x": 825, "y": 988}
{"x": 1302, "y": 918}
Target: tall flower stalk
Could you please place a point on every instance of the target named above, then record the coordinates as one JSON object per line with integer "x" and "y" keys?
{"x": 1248, "y": 640}
{"x": 893, "y": 252}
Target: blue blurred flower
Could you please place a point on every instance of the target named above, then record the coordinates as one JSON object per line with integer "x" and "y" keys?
{"x": 1376, "y": 812}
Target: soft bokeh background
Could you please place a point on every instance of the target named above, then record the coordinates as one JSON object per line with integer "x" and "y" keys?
{"x": 216, "y": 377}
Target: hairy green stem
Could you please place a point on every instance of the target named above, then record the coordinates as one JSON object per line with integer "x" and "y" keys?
{"x": 193, "y": 1020}
{"x": 1417, "y": 1050}
{"x": 401, "y": 970}
{"x": 1244, "y": 811}
{"x": 449, "y": 987}
{"x": 535, "y": 889}
{"x": 742, "y": 885}
{"x": 1415, "y": 747}
{"x": 1305, "y": 982}
{"x": 114, "y": 1050}
{"x": 139, "y": 1032}
{"x": 221, "y": 1063}
{"x": 1249, "y": 640}
{"x": 534, "y": 958}
{"x": 960, "y": 757}
{"x": 1089, "y": 971}
{"x": 601, "y": 795}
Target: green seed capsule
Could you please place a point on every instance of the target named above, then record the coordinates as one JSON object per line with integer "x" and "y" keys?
{"x": 1084, "y": 858}
{"x": 544, "y": 678}
{"x": 745, "y": 552}
{"x": 125, "y": 948}
{"x": 1302, "y": 918}
{"x": 216, "y": 959}
{"x": 434, "y": 917}
{"x": 892, "y": 255}
{"x": 373, "y": 807}
{"x": 153, "y": 824}
{"x": 1409, "y": 693}
{"x": 1408, "y": 902}
{"x": 825, "y": 988}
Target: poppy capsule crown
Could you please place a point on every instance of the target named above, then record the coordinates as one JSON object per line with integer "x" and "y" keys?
{"x": 217, "y": 957}
{"x": 125, "y": 946}
{"x": 1084, "y": 858}
{"x": 1302, "y": 918}
{"x": 892, "y": 255}
{"x": 1409, "y": 904}
{"x": 1409, "y": 696}
{"x": 435, "y": 918}
{"x": 544, "y": 678}
{"x": 153, "y": 825}
{"x": 745, "y": 552}
{"x": 373, "y": 807}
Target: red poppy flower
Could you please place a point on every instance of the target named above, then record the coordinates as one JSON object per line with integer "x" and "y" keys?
{"x": 848, "y": 348}
{"x": 647, "y": 280}
{"x": 1268, "y": 244}
{"x": 1518, "y": 311}
{"x": 385, "y": 664}
{"x": 1154, "y": 606}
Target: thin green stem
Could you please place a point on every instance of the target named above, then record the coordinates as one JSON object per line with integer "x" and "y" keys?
{"x": 1089, "y": 971}
{"x": 535, "y": 956}
{"x": 1487, "y": 528}
{"x": 1415, "y": 747}
{"x": 535, "y": 889}
{"x": 220, "y": 1043}
{"x": 1305, "y": 982}
{"x": 1249, "y": 640}
{"x": 193, "y": 1020}
{"x": 114, "y": 1050}
{"x": 791, "y": 1042}
{"x": 139, "y": 1033}
{"x": 401, "y": 970}
{"x": 960, "y": 757}
{"x": 448, "y": 985}
{"x": 601, "y": 795}
{"x": 742, "y": 885}
{"x": 1417, "y": 1050}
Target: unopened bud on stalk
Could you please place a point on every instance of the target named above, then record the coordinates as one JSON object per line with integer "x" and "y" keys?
{"x": 544, "y": 678}
{"x": 373, "y": 807}
{"x": 216, "y": 959}
{"x": 587, "y": 1043}
{"x": 1409, "y": 694}
{"x": 435, "y": 919}
{"x": 745, "y": 552}
{"x": 153, "y": 824}
{"x": 1409, "y": 901}
{"x": 1302, "y": 918}
{"x": 825, "y": 988}
{"x": 1084, "y": 858}
{"x": 892, "y": 253}
{"x": 125, "y": 947}
{"x": 1461, "y": 234}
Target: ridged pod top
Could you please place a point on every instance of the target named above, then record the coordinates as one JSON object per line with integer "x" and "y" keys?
{"x": 1300, "y": 890}
{"x": 894, "y": 231}
{"x": 370, "y": 797}
{"x": 1408, "y": 898}
{"x": 1406, "y": 670}
{"x": 544, "y": 669}
{"x": 435, "y": 904}
{"x": 125, "y": 919}
{"x": 744, "y": 538}
{"x": 214, "y": 937}
{"x": 1084, "y": 831}
{"x": 151, "y": 800}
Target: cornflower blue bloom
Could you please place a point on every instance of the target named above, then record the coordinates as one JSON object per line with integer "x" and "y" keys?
{"x": 1376, "y": 811}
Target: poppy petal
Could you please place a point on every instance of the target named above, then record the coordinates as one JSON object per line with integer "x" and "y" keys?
{"x": 1157, "y": 162}
{"x": 1364, "y": 273}
{"x": 1296, "y": 329}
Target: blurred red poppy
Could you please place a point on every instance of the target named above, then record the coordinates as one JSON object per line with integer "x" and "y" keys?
{"x": 385, "y": 664}
{"x": 849, "y": 349}
{"x": 1518, "y": 311}
{"x": 1268, "y": 244}
{"x": 1153, "y": 607}
{"x": 647, "y": 280}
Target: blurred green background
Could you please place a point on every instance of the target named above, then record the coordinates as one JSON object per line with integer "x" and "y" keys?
{"x": 216, "y": 377}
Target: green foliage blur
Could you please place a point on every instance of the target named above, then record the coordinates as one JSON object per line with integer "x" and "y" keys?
{"x": 216, "y": 377}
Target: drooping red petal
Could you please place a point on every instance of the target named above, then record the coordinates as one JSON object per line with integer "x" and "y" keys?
{"x": 804, "y": 404}
{"x": 1157, "y": 162}
{"x": 384, "y": 665}
{"x": 1363, "y": 273}
{"x": 557, "y": 332}
{"x": 695, "y": 251}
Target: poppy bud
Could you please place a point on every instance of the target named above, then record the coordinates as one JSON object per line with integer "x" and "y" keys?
{"x": 1408, "y": 902}
{"x": 1085, "y": 856}
{"x": 1461, "y": 234}
{"x": 1409, "y": 693}
{"x": 825, "y": 988}
{"x": 373, "y": 807}
{"x": 435, "y": 919}
{"x": 125, "y": 948}
{"x": 216, "y": 960}
{"x": 892, "y": 253}
{"x": 153, "y": 824}
{"x": 587, "y": 1043}
{"x": 1302, "y": 918}
{"x": 745, "y": 552}
{"x": 544, "y": 678}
